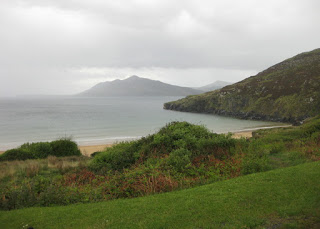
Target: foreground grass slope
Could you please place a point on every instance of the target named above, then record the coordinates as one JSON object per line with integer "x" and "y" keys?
{"x": 283, "y": 198}
{"x": 288, "y": 92}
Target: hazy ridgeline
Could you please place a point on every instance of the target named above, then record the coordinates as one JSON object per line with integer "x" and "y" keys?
{"x": 136, "y": 86}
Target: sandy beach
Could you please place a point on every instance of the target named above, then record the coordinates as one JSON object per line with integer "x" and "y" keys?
{"x": 242, "y": 134}
{"x": 248, "y": 133}
{"x": 90, "y": 149}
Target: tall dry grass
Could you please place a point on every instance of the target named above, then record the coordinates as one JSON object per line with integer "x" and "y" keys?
{"x": 30, "y": 168}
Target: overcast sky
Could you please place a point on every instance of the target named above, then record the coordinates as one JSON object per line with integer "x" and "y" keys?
{"x": 66, "y": 46}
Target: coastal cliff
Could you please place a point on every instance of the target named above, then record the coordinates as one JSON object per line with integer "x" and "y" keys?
{"x": 286, "y": 92}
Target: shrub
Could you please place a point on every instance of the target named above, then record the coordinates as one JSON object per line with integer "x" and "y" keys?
{"x": 191, "y": 139}
{"x": 219, "y": 146}
{"x": 179, "y": 159}
{"x": 64, "y": 147}
{"x": 39, "y": 149}
{"x": 17, "y": 154}
{"x": 59, "y": 148}
{"x": 117, "y": 158}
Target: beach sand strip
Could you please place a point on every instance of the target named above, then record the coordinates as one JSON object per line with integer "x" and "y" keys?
{"x": 88, "y": 150}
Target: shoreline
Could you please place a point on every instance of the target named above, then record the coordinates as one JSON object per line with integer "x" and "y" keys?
{"x": 260, "y": 128}
{"x": 247, "y": 133}
{"x": 87, "y": 150}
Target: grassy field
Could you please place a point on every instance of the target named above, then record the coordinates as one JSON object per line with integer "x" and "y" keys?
{"x": 282, "y": 198}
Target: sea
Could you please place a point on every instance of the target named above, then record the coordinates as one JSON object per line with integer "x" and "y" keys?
{"x": 94, "y": 121}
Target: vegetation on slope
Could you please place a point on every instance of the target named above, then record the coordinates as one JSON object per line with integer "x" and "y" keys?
{"x": 283, "y": 198}
{"x": 180, "y": 155}
{"x": 287, "y": 92}
{"x": 36, "y": 150}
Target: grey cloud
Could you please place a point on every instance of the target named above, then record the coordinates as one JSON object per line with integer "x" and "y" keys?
{"x": 244, "y": 36}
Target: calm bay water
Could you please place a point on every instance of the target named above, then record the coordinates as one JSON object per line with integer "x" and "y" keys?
{"x": 92, "y": 121}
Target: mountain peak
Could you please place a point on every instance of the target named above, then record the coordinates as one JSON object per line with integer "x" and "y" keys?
{"x": 214, "y": 86}
{"x": 137, "y": 86}
{"x": 133, "y": 77}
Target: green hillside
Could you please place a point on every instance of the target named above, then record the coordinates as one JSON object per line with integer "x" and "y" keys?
{"x": 287, "y": 92}
{"x": 283, "y": 198}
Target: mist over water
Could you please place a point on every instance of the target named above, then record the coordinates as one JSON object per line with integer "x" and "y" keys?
{"x": 92, "y": 121}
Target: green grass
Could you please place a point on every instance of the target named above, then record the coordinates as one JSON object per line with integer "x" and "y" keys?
{"x": 288, "y": 198}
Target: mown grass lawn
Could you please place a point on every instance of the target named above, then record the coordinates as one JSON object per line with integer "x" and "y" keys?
{"x": 283, "y": 198}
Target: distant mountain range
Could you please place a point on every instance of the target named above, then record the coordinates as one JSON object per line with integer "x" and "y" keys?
{"x": 213, "y": 86}
{"x": 137, "y": 86}
{"x": 287, "y": 92}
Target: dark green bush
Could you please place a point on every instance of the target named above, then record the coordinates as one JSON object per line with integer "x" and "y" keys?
{"x": 175, "y": 138}
{"x": 115, "y": 158}
{"x": 64, "y": 147}
{"x": 58, "y": 148}
{"x": 17, "y": 154}
{"x": 39, "y": 149}
{"x": 220, "y": 146}
{"x": 179, "y": 159}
